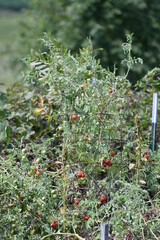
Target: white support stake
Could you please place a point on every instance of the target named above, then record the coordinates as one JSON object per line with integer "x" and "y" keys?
{"x": 104, "y": 231}
{"x": 154, "y": 120}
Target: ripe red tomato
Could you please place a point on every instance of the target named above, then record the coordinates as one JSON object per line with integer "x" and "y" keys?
{"x": 21, "y": 198}
{"x": 112, "y": 154}
{"x": 83, "y": 175}
{"x": 74, "y": 117}
{"x": 86, "y": 217}
{"x": 55, "y": 164}
{"x": 110, "y": 164}
{"x": 38, "y": 174}
{"x": 110, "y": 90}
{"x": 103, "y": 199}
{"x": 146, "y": 157}
{"x": 54, "y": 224}
{"x": 77, "y": 202}
{"x": 79, "y": 174}
{"x": 107, "y": 162}
{"x": 145, "y": 153}
{"x": 40, "y": 214}
{"x": 104, "y": 163}
{"x": 41, "y": 170}
{"x": 87, "y": 135}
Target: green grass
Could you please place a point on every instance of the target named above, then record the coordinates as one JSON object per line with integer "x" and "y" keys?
{"x": 9, "y": 28}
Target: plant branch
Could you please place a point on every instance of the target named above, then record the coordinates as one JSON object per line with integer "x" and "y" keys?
{"x": 63, "y": 234}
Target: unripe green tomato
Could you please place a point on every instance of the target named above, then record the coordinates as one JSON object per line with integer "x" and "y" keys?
{"x": 60, "y": 128}
{"x": 13, "y": 225}
{"x": 43, "y": 198}
{"x": 53, "y": 191}
{"x": 23, "y": 150}
{"x": 12, "y": 232}
{"x": 38, "y": 160}
{"x": 39, "y": 201}
{"x": 23, "y": 157}
{"x": 28, "y": 208}
{"x": 54, "y": 196}
{"x": 76, "y": 214}
{"x": 44, "y": 152}
{"x": 33, "y": 232}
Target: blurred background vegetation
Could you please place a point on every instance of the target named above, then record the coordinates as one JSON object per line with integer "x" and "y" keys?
{"x": 13, "y": 4}
{"x": 22, "y": 24}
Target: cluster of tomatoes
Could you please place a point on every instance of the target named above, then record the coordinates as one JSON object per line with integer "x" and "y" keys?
{"x": 86, "y": 217}
{"x": 106, "y": 163}
{"x": 146, "y": 156}
{"x": 36, "y": 172}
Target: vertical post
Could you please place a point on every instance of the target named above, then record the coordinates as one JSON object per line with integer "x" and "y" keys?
{"x": 154, "y": 121}
{"x": 104, "y": 231}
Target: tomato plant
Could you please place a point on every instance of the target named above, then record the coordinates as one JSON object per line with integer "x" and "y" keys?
{"x": 78, "y": 154}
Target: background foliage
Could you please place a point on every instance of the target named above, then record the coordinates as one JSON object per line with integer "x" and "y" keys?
{"x": 106, "y": 22}
{"x": 13, "y": 4}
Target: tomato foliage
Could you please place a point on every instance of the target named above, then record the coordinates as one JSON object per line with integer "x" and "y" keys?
{"x": 73, "y": 146}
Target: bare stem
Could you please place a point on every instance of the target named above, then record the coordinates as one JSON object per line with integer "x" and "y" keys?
{"x": 63, "y": 234}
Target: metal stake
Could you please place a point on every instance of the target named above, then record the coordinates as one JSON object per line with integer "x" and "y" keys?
{"x": 154, "y": 121}
{"x": 104, "y": 231}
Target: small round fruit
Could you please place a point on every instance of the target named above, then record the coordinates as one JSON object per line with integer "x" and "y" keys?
{"x": 38, "y": 174}
{"x": 87, "y": 135}
{"x": 55, "y": 164}
{"x": 30, "y": 172}
{"x": 104, "y": 163}
{"x": 35, "y": 170}
{"x": 110, "y": 90}
{"x": 41, "y": 170}
{"x": 86, "y": 217}
{"x": 21, "y": 198}
{"x": 112, "y": 154}
{"x": 79, "y": 174}
{"x": 54, "y": 224}
{"x": 145, "y": 153}
{"x": 77, "y": 202}
{"x": 44, "y": 151}
{"x": 23, "y": 150}
{"x": 107, "y": 162}
{"x": 146, "y": 157}
{"x": 74, "y": 117}
{"x": 110, "y": 164}
{"x": 83, "y": 175}
{"x": 40, "y": 214}
{"x": 38, "y": 160}
{"x": 103, "y": 199}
